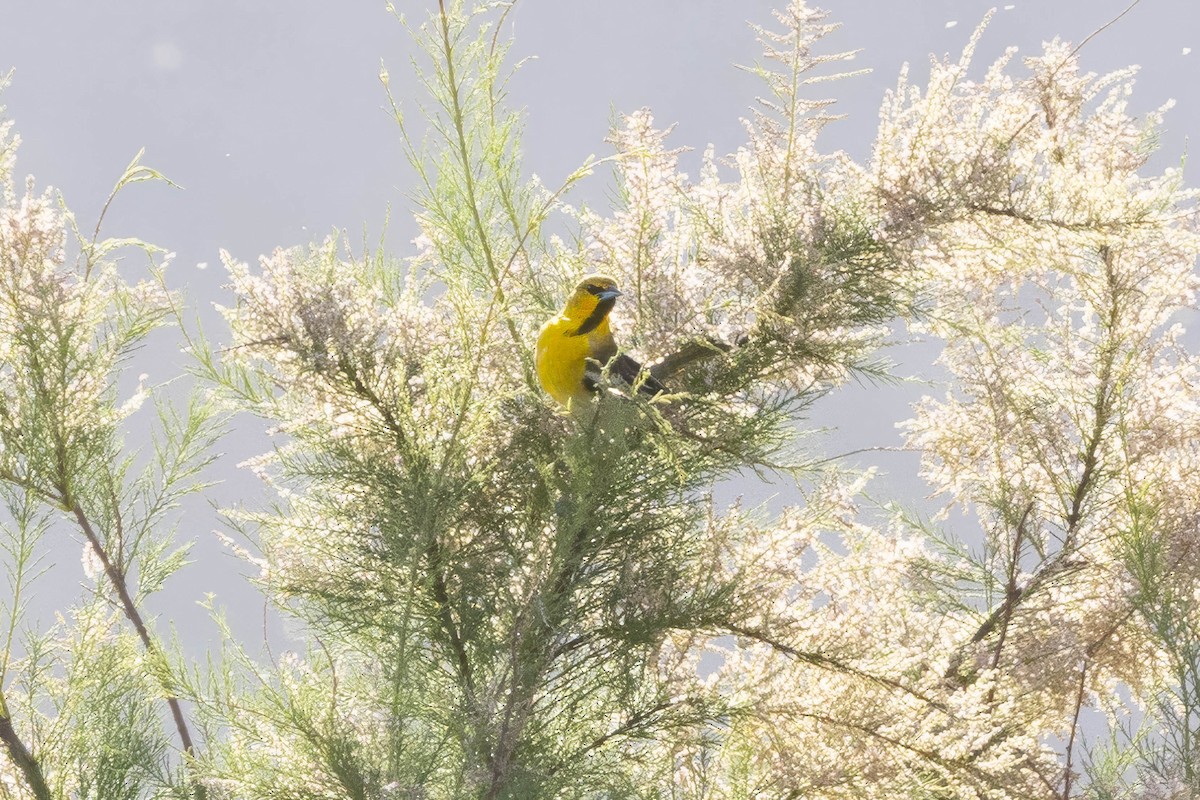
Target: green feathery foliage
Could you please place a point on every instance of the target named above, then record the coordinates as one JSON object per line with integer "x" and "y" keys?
{"x": 499, "y": 599}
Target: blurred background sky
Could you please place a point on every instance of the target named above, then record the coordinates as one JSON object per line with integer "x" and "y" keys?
{"x": 271, "y": 118}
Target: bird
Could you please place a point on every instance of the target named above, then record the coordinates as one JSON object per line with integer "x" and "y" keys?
{"x": 577, "y": 346}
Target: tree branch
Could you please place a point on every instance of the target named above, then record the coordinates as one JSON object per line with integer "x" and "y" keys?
{"x": 1068, "y": 774}
{"x": 832, "y": 664}
{"x": 1063, "y": 561}
{"x": 441, "y": 596}
{"x": 1058, "y": 565}
{"x": 433, "y": 551}
{"x": 1011, "y": 591}
{"x": 635, "y": 721}
{"x": 21, "y": 756}
{"x": 117, "y": 578}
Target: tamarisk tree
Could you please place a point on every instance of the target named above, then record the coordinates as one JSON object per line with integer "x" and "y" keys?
{"x": 80, "y": 703}
{"x": 496, "y": 599}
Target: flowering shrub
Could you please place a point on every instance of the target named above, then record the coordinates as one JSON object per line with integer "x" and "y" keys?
{"x": 506, "y": 601}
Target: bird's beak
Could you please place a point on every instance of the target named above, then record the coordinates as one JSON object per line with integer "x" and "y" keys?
{"x": 609, "y": 294}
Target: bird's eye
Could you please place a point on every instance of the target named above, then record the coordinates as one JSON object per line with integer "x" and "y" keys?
{"x": 594, "y": 289}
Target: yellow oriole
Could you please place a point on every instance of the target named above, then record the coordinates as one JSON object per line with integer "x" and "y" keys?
{"x": 574, "y": 347}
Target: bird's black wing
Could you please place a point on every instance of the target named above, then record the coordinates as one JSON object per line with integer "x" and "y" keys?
{"x": 635, "y": 374}
{"x": 628, "y": 370}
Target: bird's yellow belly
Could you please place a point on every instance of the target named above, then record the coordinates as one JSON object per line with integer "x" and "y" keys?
{"x": 561, "y": 361}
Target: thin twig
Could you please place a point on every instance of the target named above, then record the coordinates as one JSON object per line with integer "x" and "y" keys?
{"x": 1068, "y": 774}
{"x": 458, "y": 117}
{"x": 1094, "y": 34}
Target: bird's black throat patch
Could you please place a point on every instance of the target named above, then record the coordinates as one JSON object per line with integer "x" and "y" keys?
{"x": 596, "y": 317}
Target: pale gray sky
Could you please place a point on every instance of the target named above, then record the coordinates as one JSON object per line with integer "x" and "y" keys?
{"x": 271, "y": 117}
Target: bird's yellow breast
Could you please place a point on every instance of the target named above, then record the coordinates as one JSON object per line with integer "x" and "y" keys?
{"x": 561, "y": 360}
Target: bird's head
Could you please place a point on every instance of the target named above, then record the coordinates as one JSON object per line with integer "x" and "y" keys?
{"x": 591, "y": 301}
{"x": 595, "y": 289}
